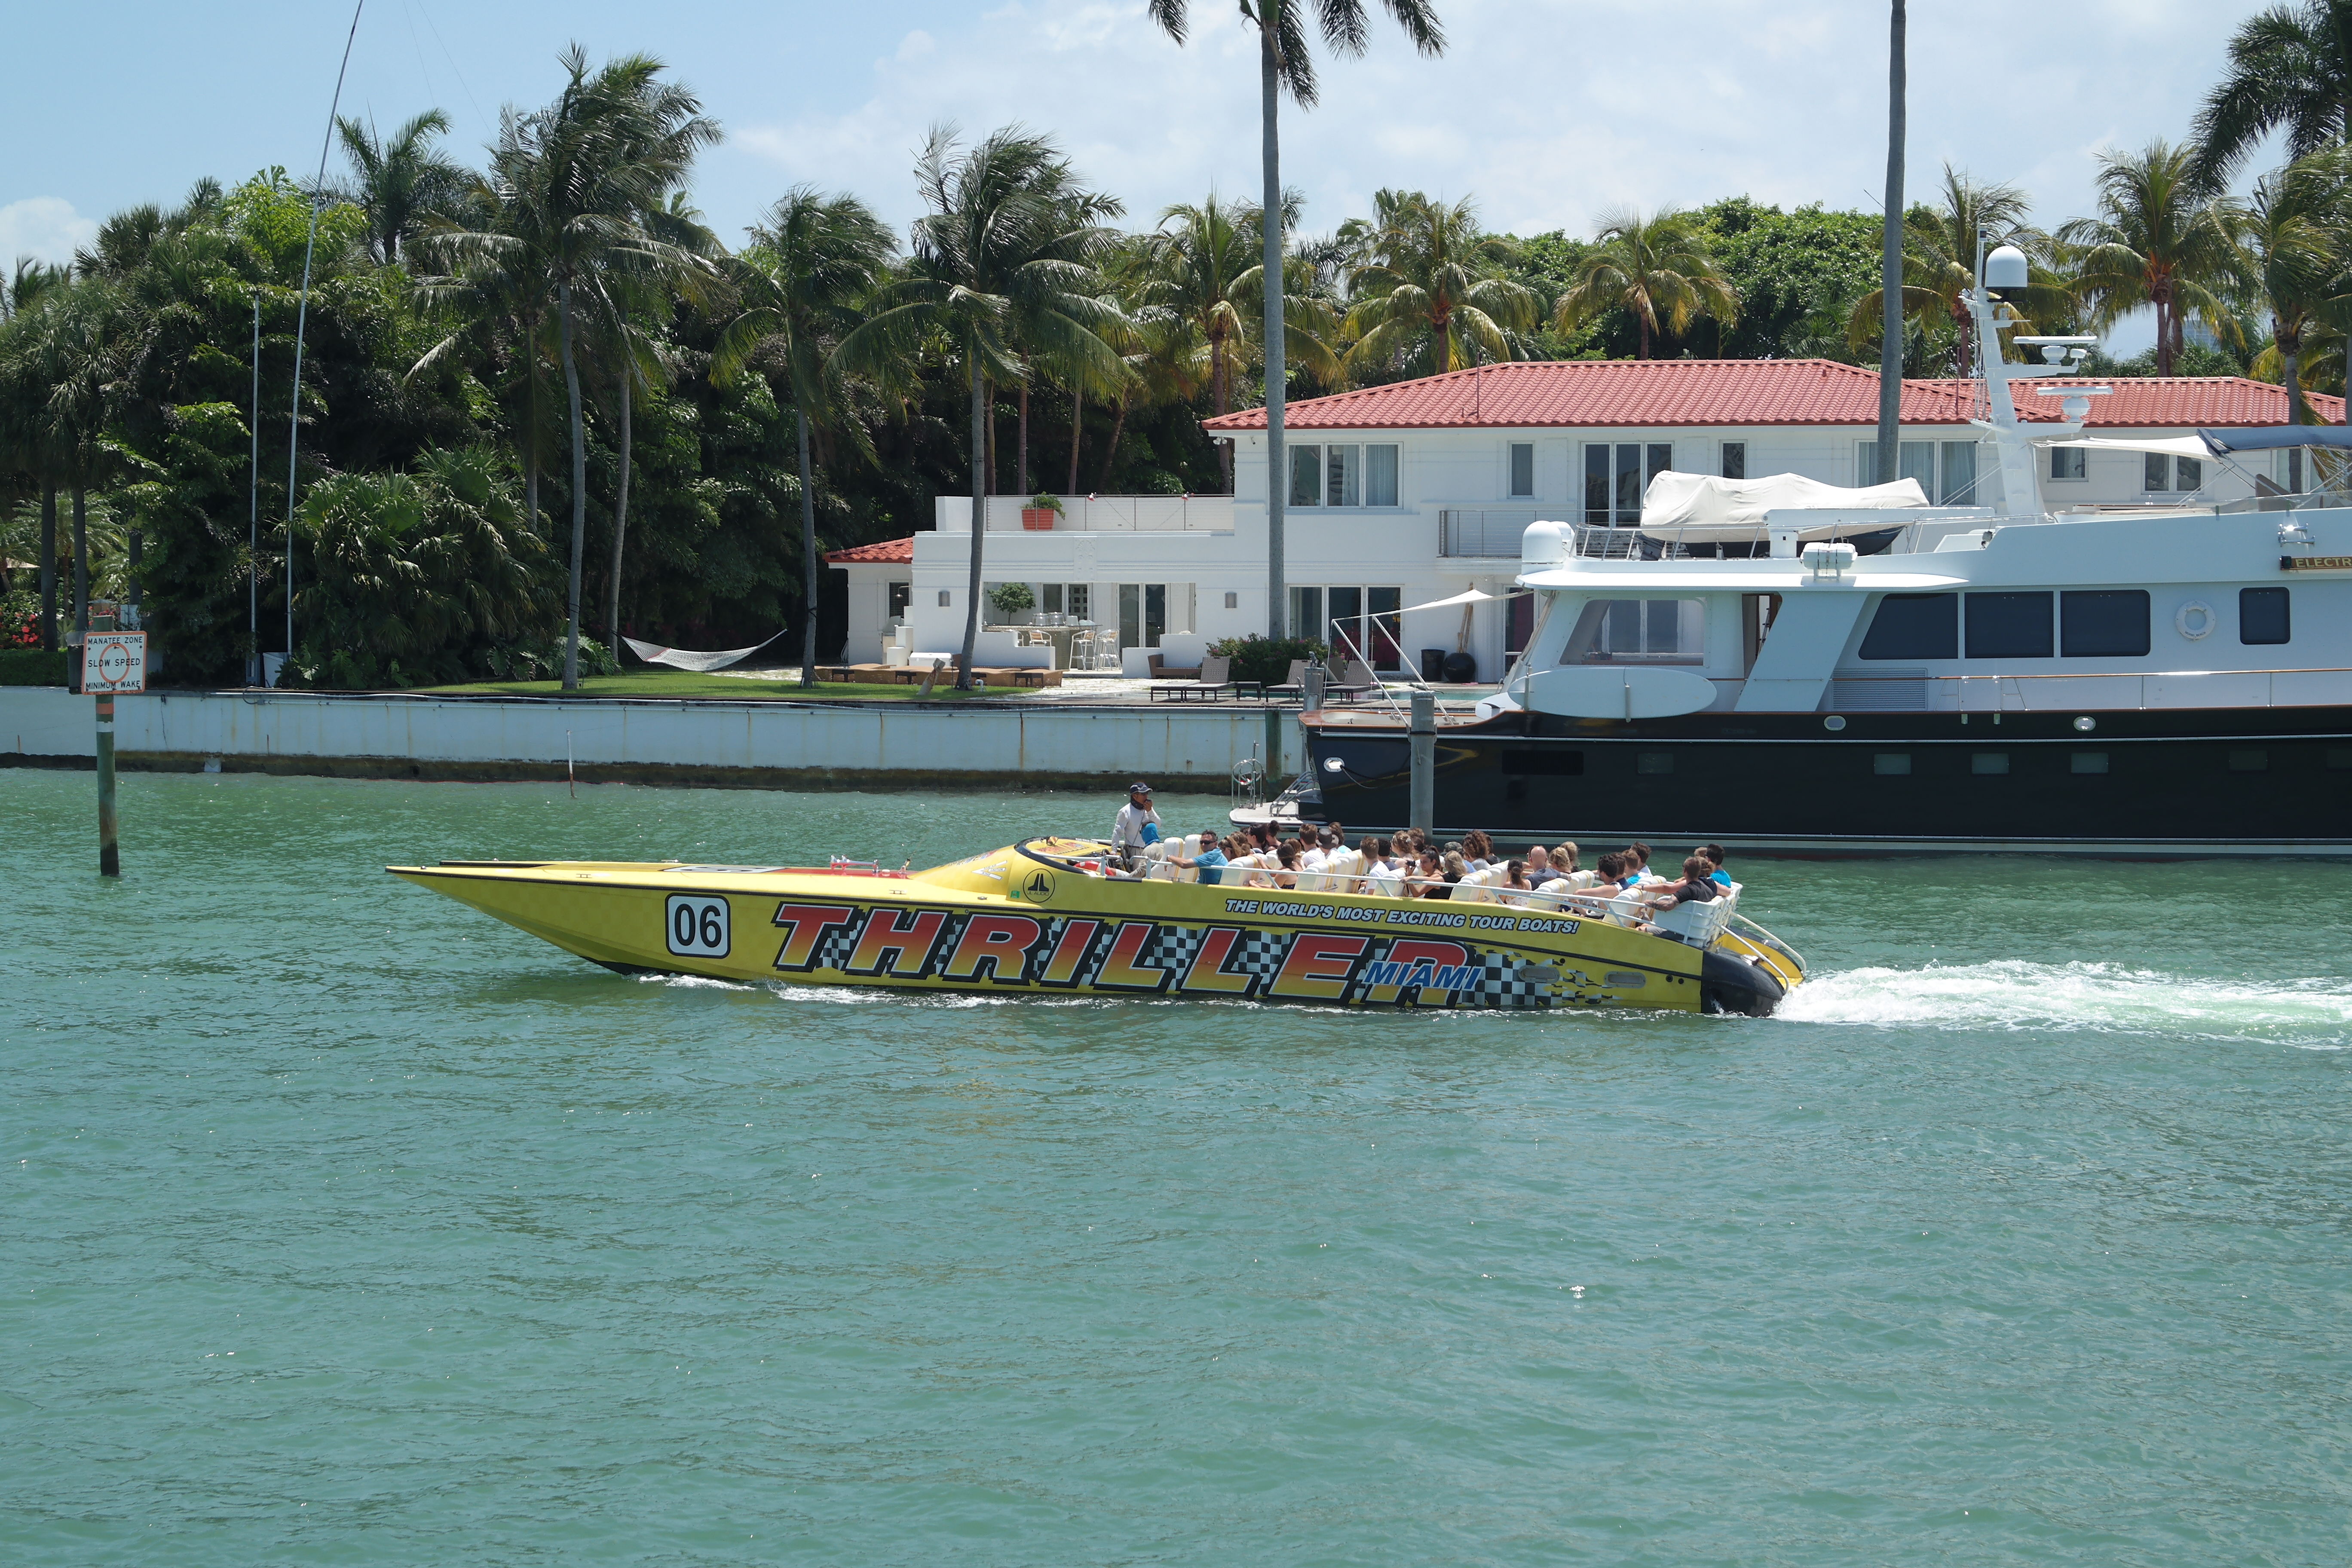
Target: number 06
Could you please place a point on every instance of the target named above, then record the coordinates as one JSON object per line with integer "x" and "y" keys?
{"x": 697, "y": 925}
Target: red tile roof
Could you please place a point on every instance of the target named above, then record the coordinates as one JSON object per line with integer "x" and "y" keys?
{"x": 889, "y": 553}
{"x": 1653, "y": 393}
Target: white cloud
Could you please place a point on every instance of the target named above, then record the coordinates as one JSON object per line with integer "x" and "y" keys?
{"x": 45, "y": 228}
{"x": 1546, "y": 112}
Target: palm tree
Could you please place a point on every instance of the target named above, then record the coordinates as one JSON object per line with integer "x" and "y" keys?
{"x": 1658, "y": 267}
{"x": 1285, "y": 65}
{"x": 577, "y": 185}
{"x": 73, "y": 356}
{"x": 1193, "y": 267}
{"x": 814, "y": 262}
{"x": 24, "y": 444}
{"x": 2158, "y": 240}
{"x": 1890, "y": 243}
{"x": 994, "y": 267}
{"x": 400, "y": 182}
{"x": 1939, "y": 265}
{"x": 2289, "y": 69}
{"x": 1432, "y": 296}
{"x": 2294, "y": 229}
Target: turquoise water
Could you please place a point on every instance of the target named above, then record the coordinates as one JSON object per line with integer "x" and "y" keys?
{"x": 343, "y": 1224}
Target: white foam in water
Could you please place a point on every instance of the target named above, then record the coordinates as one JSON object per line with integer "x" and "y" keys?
{"x": 2013, "y": 994}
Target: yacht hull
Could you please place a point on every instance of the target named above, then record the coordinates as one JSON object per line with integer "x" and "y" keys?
{"x": 1031, "y": 923}
{"x": 2176, "y": 784}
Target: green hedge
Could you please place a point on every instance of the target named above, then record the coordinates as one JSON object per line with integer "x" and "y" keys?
{"x": 32, "y": 667}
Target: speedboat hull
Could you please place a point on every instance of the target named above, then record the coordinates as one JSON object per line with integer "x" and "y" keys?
{"x": 1039, "y": 918}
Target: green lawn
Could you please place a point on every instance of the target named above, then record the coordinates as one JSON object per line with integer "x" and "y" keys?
{"x": 671, "y": 684}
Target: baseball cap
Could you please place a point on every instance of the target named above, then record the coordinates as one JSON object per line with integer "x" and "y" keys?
{"x": 1139, "y": 788}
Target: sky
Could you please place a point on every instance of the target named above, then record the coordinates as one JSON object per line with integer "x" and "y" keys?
{"x": 1547, "y": 112}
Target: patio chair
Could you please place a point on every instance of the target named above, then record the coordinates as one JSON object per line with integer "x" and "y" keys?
{"x": 1293, "y": 684}
{"x": 1165, "y": 672}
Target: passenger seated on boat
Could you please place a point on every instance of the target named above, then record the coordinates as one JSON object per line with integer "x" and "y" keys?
{"x": 1696, "y": 884}
{"x": 1310, "y": 864}
{"x": 1343, "y": 868}
{"x": 1474, "y": 886}
{"x": 1477, "y": 850}
{"x": 1714, "y": 853}
{"x": 1206, "y": 861}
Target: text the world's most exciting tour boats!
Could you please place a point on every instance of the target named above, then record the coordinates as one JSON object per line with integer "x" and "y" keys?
{"x": 1050, "y": 917}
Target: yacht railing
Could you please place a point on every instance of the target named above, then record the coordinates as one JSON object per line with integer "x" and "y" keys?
{"x": 2018, "y": 694}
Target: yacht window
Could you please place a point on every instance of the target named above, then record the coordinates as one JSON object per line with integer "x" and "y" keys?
{"x": 2009, "y": 626}
{"x": 1344, "y": 475}
{"x": 1915, "y": 627}
{"x": 2068, "y": 463}
{"x": 1891, "y": 765}
{"x": 2090, "y": 762}
{"x": 1523, "y": 469}
{"x": 1545, "y": 764}
{"x": 1651, "y": 626}
{"x": 2102, "y": 622}
{"x": 1989, "y": 762}
{"x": 2250, "y": 761}
{"x": 1381, "y": 475}
{"x": 1305, "y": 476}
{"x": 1735, "y": 459}
{"x": 1654, "y": 763}
{"x": 2262, "y": 615}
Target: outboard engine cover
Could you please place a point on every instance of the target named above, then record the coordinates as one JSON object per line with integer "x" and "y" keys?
{"x": 1730, "y": 985}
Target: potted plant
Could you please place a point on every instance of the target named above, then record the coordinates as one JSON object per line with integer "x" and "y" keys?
{"x": 1011, "y": 599}
{"x": 1038, "y": 515}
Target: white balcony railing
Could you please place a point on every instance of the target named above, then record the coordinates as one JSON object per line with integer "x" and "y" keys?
{"x": 1489, "y": 534}
{"x": 1099, "y": 514}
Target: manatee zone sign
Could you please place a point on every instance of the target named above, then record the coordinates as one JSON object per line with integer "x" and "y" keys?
{"x": 114, "y": 663}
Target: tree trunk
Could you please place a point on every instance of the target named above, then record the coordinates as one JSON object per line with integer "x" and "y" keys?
{"x": 579, "y": 500}
{"x": 1111, "y": 451}
{"x": 130, "y": 571}
{"x": 1221, "y": 393}
{"x": 1890, "y": 250}
{"x": 49, "y": 568}
{"x": 808, "y": 555}
{"x": 981, "y": 425}
{"x": 1642, "y": 322}
{"x": 620, "y": 514}
{"x": 1021, "y": 447}
{"x": 1077, "y": 435}
{"x": 988, "y": 408}
{"x": 2163, "y": 332}
{"x": 531, "y": 493}
{"x": 1276, "y": 478}
{"x": 81, "y": 579}
{"x": 2287, "y": 358}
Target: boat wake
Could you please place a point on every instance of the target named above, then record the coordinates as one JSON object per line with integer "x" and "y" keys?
{"x": 2108, "y": 998}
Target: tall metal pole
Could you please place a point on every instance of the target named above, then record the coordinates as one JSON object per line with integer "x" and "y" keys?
{"x": 1269, "y": 26}
{"x": 252, "y": 521}
{"x": 301, "y": 319}
{"x": 1890, "y": 263}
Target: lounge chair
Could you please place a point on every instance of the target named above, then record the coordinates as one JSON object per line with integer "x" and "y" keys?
{"x": 1294, "y": 684}
{"x": 1165, "y": 672}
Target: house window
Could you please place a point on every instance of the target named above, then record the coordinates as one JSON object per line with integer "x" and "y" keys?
{"x": 2163, "y": 473}
{"x": 1305, "y": 612}
{"x": 1381, "y": 475}
{"x": 1735, "y": 459}
{"x": 1305, "y": 477}
{"x": 1915, "y": 627}
{"x": 2102, "y": 622}
{"x": 2068, "y": 463}
{"x": 2009, "y": 626}
{"x": 1615, "y": 476}
{"x": 1523, "y": 469}
{"x": 1913, "y": 461}
{"x": 1957, "y": 482}
{"x": 1149, "y": 611}
{"x": 895, "y": 599}
{"x": 1343, "y": 476}
{"x": 1073, "y": 599}
{"x": 2262, "y": 615}
{"x": 1354, "y": 622}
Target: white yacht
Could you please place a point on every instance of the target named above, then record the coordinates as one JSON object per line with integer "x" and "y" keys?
{"x": 1782, "y": 665}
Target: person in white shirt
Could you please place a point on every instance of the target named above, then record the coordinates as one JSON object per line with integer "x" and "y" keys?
{"x": 1311, "y": 868}
{"x": 1127, "y": 834}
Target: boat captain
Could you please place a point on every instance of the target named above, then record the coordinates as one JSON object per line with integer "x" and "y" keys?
{"x": 1136, "y": 825}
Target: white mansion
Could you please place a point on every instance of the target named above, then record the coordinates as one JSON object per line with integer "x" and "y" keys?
{"x": 1401, "y": 495}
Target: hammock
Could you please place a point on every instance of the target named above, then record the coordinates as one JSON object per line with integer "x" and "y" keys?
{"x": 687, "y": 659}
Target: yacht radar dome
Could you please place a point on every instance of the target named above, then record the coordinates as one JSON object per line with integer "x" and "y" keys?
{"x": 2005, "y": 268}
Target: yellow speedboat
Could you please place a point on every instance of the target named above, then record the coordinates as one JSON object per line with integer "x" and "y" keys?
{"x": 1044, "y": 918}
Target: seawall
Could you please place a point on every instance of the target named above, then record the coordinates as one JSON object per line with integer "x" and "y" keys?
{"x": 751, "y": 744}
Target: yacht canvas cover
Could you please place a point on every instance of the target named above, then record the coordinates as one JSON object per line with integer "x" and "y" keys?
{"x": 1699, "y": 508}
{"x": 2170, "y": 446}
